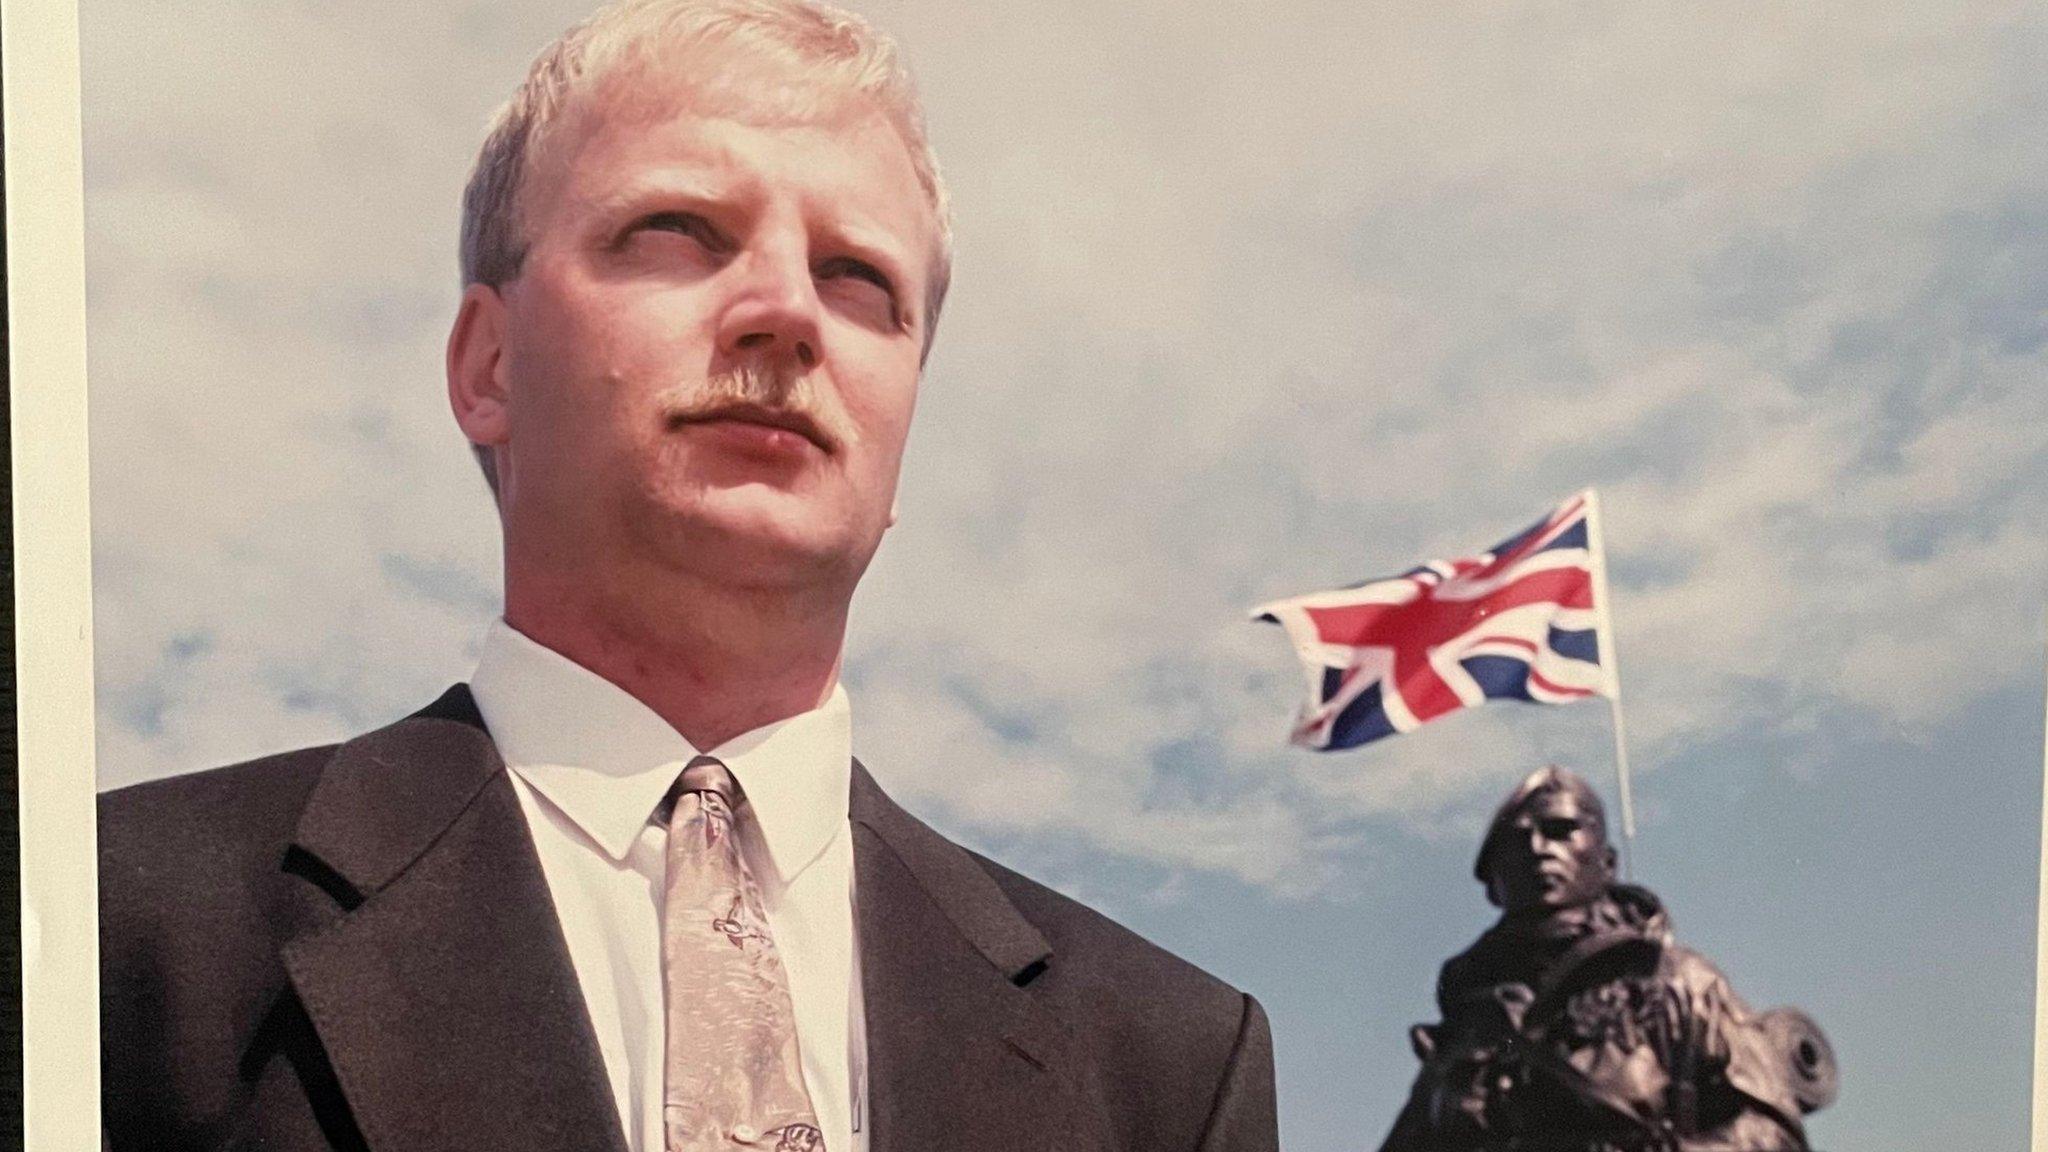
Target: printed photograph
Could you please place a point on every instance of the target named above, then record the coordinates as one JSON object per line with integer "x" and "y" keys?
{"x": 1431, "y": 578}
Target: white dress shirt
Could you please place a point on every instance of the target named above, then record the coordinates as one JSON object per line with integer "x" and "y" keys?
{"x": 591, "y": 764}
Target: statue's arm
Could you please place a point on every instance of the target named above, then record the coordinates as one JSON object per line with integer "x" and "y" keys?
{"x": 1743, "y": 1096}
{"x": 1411, "y": 1131}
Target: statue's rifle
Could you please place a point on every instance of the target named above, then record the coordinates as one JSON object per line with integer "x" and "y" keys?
{"x": 1557, "y": 984}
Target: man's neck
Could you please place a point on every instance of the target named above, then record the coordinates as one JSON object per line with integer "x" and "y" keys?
{"x": 713, "y": 666}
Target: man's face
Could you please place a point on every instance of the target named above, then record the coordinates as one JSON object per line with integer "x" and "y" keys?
{"x": 711, "y": 353}
{"x": 1554, "y": 855}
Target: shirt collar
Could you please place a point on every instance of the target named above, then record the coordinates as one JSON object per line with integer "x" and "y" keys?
{"x": 606, "y": 760}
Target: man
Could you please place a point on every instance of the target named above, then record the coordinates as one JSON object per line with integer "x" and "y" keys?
{"x": 628, "y": 889}
{"x": 1576, "y": 1025}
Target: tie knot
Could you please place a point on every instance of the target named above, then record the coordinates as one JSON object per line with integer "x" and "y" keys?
{"x": 707, "y": 774}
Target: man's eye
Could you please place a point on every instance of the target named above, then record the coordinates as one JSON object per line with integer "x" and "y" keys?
{"x": 858, "y": 270}
{"x": 845, "y": 268}
{"x": 683, "y": 223}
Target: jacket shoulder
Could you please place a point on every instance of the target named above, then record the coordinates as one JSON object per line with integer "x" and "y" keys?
{"x": 196, "y": 857}
{"x": 288, "y": 775}
{"x": 1087, "y": 943}
{"x": 193, "y": 900}
{"x": 1195, "y": 1053}
{"x": 207, "y": 821}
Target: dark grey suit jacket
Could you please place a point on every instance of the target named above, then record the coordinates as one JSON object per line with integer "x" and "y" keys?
{"x": 354, "y": 947}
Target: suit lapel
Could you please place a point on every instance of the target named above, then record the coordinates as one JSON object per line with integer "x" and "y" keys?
{"x": 959, "y": 1054}
{"x": 441, "y": 988}
{"x": 445, "y": 999}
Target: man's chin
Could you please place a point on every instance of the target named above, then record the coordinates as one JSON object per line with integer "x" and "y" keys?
{"x": 765, "y": 538}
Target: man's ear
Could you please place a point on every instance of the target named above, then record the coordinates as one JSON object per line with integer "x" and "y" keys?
{"x": 1613, "y": 860}
{"x": 895, "y": 510}
{"x": 476, "y": 367}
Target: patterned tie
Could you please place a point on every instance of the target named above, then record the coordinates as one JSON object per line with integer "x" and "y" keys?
{"x": 731, "y": 1077}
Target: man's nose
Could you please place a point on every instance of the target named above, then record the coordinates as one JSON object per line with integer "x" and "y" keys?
{"x": 774, "y": 308}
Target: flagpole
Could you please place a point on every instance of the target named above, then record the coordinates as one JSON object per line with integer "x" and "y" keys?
{"x": 1603, "y": 630}
{"x": 2040, "y": 1093}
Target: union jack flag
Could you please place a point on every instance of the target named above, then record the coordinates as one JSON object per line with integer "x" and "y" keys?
{"x": 1522, "y": 621}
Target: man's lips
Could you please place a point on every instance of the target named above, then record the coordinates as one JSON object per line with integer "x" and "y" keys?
{"x": 744, "y": 413}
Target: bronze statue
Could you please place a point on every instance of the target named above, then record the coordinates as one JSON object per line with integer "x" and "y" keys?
{"x": 1575, "y": 1024}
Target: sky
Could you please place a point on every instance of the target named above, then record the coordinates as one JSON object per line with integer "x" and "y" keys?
{"x": 1247, "y": 303}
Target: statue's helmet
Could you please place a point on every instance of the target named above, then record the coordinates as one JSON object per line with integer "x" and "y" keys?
{"x": 1534, "y": 789}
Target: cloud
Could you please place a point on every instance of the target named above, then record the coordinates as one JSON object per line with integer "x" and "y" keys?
{"x": 1245, "y": 306}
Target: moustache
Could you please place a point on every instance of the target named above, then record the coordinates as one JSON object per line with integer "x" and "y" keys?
{"x": 772, "y": 387}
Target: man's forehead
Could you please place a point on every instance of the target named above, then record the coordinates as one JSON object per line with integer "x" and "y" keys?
{"x": 626, "y": 113}
{"x": 678, "y": 133}
{"x": 750, "y": 84}
{"x": 684, "y": 133}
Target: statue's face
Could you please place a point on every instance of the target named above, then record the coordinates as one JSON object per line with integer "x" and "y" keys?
{"x": 1555, "y": 855}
